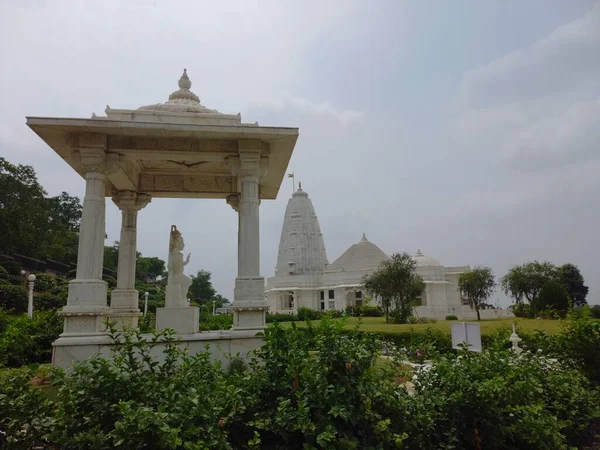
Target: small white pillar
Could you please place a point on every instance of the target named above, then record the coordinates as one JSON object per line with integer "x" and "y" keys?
{"x": 86, "y": 310}
{"x": 146, "y": 294}
{"x": 31, "y": 279}
{"x": 125, "y": 299}
{"x": 249, "y": 305}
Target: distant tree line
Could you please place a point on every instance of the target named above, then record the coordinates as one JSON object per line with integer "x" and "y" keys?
{"x": 536, "y": 287}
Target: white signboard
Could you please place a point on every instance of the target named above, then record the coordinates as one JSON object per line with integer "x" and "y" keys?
{"x": 466, "y": 332}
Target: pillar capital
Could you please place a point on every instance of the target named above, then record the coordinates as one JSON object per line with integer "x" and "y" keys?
{"x": 130, "y": 200}
{"x": 233, "y": 200}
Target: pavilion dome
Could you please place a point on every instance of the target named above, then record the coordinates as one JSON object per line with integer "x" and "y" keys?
{"x": 182, "y": 100}
{"x": 362, "y": 255}
{"x": 301, "y": 246}
{"x": 425, "y": 261}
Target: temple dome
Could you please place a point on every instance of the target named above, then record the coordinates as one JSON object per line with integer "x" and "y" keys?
{"x": 182, "y": 100}
{"x": 425, "y": 261}
{"x": 363, "y": 255}
{"x": 301, "y": 246}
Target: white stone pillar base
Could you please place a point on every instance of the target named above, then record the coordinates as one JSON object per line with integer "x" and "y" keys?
{"x": 84, "y": 323}
{"x": 87, "y": 294}
{"x": 249, "y": 306}
{"x": 124, "y": 299}
{"x": 86, "y": 311}
{"x": 125, "y": 320}
{"x": 185, "y": 320}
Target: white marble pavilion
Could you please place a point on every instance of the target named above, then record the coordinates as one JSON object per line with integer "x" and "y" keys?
{"x": 178, "y": 148}
{"x": 304, "y": 278}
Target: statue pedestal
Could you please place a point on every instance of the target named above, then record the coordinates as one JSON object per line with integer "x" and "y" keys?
{"x": 184, "y": 320}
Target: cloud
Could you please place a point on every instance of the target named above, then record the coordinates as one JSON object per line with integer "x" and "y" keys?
{"x": 565, "y": 138}
{"x": 308, "y": 107}
{"x": 565, "y": 58}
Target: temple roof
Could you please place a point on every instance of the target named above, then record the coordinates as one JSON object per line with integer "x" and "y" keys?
{"x": 363, "y": 255}
{"x": 182, "y": 107}
{"x": 301, "y": 246}
{"x": 425, "y": 261}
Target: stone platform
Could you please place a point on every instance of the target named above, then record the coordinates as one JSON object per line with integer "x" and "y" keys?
{"x": 222, "y": 345}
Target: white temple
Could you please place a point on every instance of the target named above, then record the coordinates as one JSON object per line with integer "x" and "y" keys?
{"x": 304, "y": 278}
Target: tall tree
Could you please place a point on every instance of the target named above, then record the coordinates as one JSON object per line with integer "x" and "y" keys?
{"x": 397, "y": 283}
{"x": 524, "y": 282}
{"x": 33, "y": 224}
{"x": 202, "y": 290}
{"x": 570, "y": 277}
{"x": 477, "y": 285}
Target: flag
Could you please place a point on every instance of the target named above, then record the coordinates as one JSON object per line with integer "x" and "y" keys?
{"x": 291, "y": 175}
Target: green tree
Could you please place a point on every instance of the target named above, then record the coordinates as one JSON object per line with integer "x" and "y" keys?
{"x": 552, "y": 295}
{"x": 202, "y": 290}
{"x": 477, "y": 285}
{"x": 397, "y": 284}
{"x": 111, "y": 256}
{"x": 570, "y": 277}
{"x": 149, "y": 267}
{"x": 524, "y": 282}
{"x": 33, "y": 224}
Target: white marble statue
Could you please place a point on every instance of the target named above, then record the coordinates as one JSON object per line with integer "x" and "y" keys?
{"x": 178, "y": 283}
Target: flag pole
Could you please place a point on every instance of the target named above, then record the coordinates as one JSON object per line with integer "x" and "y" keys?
{"x": 291, "y": 175}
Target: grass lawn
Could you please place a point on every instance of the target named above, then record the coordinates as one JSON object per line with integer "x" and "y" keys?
{"x": 377, "y": 324}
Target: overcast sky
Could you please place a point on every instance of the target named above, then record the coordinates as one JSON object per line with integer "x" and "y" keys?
{"x": 467, "y": 129}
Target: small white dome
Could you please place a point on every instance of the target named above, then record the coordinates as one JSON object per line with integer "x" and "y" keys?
{"x": 182, "y": 101}
{"x": 425, "y": 261}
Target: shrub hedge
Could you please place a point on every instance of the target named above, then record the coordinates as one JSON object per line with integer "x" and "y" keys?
{"x": 300, "y": 391}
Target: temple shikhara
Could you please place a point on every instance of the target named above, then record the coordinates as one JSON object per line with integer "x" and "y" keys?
{"x": 178, "y": 148}
{"x": 305, "y": 278}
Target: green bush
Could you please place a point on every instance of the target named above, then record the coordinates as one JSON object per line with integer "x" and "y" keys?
{"x": 13, "y": 298}
{"x": 307, "y": 314}
{"x": 46, "y": 301}
{"x": 495, "y": 400}
{"x": 318, "y": 387}
{"x": 523, "y": 310}
{"x": 45, "y": 282}
{"x": 27, "y": 341}
{"x": 128, "y": 401}
{"x": 112, "y": 281}
{"x": 451, "y": 317}
{"x": 216, "y": 322}
{"x": 5, "y": 319}
{"x": 595, "y": 311}
{"x": 420, "y": 320}
{"x": 12, "y": 267}
{"x": 580, "y": 342}
{"x": 364, "y": 311}
{"x": 4, "y": 275}
{"x": 281, "y": 318}
{"x": 321, "y": 394}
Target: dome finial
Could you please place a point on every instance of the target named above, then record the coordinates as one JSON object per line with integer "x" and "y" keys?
{"x": 184, "y": 81}
{"x": 364, "y": 238}
{"x": 299, "y": 185}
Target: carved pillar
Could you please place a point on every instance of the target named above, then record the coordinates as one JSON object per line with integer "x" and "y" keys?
{"x": 124, "y": 299}
{"x": 86, "y": 308}
{"x": 249, "y": 305}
